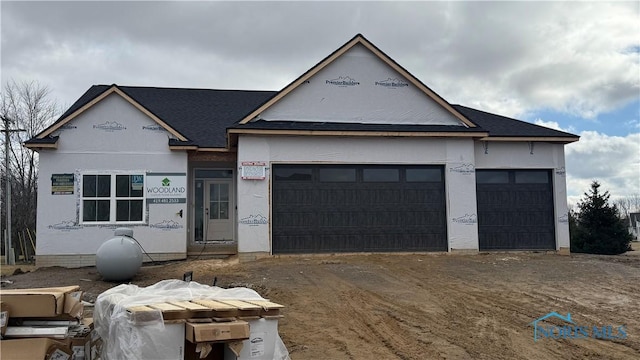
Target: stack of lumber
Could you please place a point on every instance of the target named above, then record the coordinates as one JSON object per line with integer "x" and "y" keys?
{"x": 208, "y": 310}
{"x": 46, "y": 323}
{"x": 161, "y": 322}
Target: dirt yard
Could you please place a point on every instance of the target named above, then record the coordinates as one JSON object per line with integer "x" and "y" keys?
{"x": 420, "y": 306}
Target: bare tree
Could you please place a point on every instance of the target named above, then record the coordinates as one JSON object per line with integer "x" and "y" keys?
{"x": 628, "y": 204}
{"x": 28, "y": 106}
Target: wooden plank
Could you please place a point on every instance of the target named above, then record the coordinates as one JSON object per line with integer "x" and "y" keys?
{"x": 224, "y": 319}
{"x": 170, "y": 311}
{"x": 244, "y": 308}
{"x": 200, "y": 320}
{"x": 270, "y": 317}
{"x": 268, "y": 308}
{"x": 218, "y": 308}
{"x": 142, "y": 313}
{"x": 191, "y": 306}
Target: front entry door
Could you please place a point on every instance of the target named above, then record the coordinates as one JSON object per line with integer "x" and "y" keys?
{"x": 219, "y": 210}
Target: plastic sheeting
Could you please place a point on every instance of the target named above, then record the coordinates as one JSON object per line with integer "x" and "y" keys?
{"x": 114, "y": 326}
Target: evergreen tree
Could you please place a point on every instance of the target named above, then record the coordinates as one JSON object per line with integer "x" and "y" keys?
{"x": 596, "y": 227}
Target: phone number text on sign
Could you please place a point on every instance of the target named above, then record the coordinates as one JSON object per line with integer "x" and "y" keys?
{"x": 252, "y": 170}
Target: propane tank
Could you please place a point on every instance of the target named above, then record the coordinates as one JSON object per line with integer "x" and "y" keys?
{"x": 120, "y": 257}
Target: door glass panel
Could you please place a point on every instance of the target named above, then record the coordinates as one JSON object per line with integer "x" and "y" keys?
{"x": 337, "y": 174}
{"x": 492, "y": 177}
{"x": 224, "y": 192}
{"x": 424, "y": 175}
{"x": 381, "y": 175}
{"x": 296, "y": 173}
{"x": 215, "y": 192}
{"x": 224, "y": 210}
{"x": 532, "y": 177}
{"x": 219, "y": 201}
{"x": 213, "y": 210}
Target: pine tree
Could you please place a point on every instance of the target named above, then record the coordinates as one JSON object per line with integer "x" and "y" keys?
{"x": 596, "y": 227}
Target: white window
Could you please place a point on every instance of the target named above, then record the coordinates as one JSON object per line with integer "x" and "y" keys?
{"x": 112, "y": 198}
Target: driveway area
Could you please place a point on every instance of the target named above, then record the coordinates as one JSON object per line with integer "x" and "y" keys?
{"x": 425, "y": 306}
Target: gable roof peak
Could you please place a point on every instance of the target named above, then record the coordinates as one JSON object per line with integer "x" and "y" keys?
{"x": 357, "y": 39}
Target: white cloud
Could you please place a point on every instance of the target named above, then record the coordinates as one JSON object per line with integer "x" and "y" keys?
{"x": 614, "y": 161}
{"x": 508, "y": 57}
{"x": 554, "y": 125}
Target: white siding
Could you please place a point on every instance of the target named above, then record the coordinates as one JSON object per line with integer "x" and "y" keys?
{"x": 111, "y": 136}
{"x": 254, "y": 195}
{"x": 377, "y": 94}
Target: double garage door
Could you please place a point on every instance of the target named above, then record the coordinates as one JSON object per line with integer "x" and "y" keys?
{"x": 355, "y": 208}
{"x": 367, "y": 208}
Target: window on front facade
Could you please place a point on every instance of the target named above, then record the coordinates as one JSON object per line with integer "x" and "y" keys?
{"x": 112, "y": 198}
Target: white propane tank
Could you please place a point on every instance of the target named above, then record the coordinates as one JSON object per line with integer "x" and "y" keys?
{"x": 120, "y": 257}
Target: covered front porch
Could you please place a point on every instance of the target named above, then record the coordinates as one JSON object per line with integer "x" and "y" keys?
{"x": 212, "y": 210}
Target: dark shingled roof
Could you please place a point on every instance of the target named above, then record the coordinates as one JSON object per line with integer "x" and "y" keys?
{"x": 43, "y": 141}
{"x": 203, "y": 116}
{"x": 499, "y": 126}
{"x": 200, "y": 115}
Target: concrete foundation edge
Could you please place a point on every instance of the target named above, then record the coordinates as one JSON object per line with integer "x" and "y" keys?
{"x": 82, "y": 260}
{"x": 252, "y": 256}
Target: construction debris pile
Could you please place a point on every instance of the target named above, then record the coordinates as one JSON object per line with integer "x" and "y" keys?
{"x": 46, "y": 323}
{"x": 172, "y": 320}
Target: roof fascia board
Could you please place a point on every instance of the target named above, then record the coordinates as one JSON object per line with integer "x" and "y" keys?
{"x": 183, "y": 147}
{"x": 215, "y": 150}
{"x": 97, "y": 99}
{"x": 41, "y": 146}
{"x": 358, "y": 133}
{"x": 76, "y": 113}
{"x": 531, "y": 138}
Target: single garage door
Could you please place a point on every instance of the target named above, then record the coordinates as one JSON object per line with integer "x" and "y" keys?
{"x": 515, "y": 210}
{"x": 356, "y": 208}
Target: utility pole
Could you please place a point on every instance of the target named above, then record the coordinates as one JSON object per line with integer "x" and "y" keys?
{"x": 10, "y": 260}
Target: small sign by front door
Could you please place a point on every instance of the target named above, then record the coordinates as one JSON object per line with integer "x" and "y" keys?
{"x": 252, "y": 170}
{"x": 62, "y": 184}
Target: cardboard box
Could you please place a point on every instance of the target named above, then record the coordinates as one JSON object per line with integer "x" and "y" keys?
{"x": 79, "y": 340}
{"x": 212, "y": 332}
{"x": 34, "y": 349}
{"x": 44, "y": 302}
{"x": 261, "y": 343}
{"x": 151, "y": 342}
{"x": 81, "y": 347}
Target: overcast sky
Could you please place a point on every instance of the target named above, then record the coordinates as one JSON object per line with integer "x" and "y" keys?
{"x": 573, "y": 66}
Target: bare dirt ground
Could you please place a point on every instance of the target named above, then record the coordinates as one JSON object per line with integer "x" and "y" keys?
{"x": 419, "y": 306}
